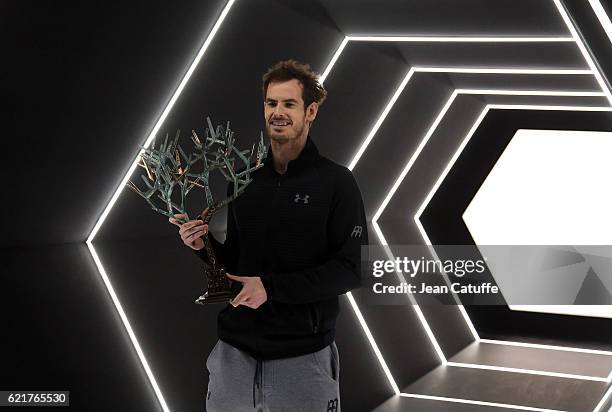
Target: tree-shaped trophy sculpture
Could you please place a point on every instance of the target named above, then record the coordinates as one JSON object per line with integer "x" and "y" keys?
{"x": 165, "y": 172}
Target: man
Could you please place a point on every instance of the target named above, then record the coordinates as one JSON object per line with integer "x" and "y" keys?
{"x": 293, "y": 243}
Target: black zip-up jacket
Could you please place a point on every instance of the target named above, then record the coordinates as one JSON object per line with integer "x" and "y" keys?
{"x": 301, "y": 232}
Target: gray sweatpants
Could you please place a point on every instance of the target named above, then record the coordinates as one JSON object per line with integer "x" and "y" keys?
{"x": 238, "y": 382}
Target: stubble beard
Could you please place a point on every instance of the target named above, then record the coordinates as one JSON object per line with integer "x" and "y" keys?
{"x": 282, "y": 139}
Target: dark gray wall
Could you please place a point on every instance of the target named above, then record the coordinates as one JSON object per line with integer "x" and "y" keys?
{"x": 83, "y": 84}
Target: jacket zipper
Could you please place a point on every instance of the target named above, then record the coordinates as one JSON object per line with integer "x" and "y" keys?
{"x": 315, "y": 317}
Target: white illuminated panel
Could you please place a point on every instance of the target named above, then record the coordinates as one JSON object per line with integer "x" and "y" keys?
{"x": 549, "y": 187}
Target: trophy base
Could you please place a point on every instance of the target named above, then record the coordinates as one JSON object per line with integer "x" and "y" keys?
{"x": 218, "y": 297}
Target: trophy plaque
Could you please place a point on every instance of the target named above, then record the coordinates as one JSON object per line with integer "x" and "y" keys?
{"x": 171, "y": 174}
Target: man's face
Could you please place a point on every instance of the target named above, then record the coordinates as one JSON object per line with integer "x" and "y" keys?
{"x": 284, "y": 112}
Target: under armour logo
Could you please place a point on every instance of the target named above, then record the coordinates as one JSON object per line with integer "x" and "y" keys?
{"x": 301, "y": 199}
{"x": 332, "y": 406}
{"x": 357, "y": 231}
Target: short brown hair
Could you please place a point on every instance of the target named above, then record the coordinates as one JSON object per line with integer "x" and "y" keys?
{"x": 286, "y": 70}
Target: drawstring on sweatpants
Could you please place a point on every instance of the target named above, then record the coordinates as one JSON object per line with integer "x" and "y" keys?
{"x": 256, "y": 382}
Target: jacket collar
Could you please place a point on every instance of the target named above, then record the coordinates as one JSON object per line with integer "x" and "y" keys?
{"x": 304, "y": 159}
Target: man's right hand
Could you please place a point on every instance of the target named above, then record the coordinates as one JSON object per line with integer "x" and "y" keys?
{"x": 191, "y": 232}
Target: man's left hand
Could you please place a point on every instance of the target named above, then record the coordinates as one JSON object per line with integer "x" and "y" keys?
{"x": 253, "y": 293}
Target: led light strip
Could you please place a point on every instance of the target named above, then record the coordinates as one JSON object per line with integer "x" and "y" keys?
{"x": 412, "y": 300}
{"x": 604, "y": 399}
{"x": 529, "y": 371}
{"x": 546, "y": 347}
{"x": 385, "y": 112}
{"x": 467, "y": 70}
{"x": 367, "y": 141}
{"x": 424, "y": 141}
{"x": 434, "y": 126}
{"x": 480, "y": 403}
{"x": 381, "y": 118}
{"x": 479, "y": 70}
{"x": 530, "y": 93}
{"x": 550, "y": 107}
{"x": 408, "y": 76}
{"x": 368, "y": 334}
{"x": 118, "y": 191}
{"x": 349, "y": 295}
{"x": 603, "y": 17}
{"x": 162, "y": 118}
{"x": 373, "y": 131}
{"x": 460, "y": 39}
{"x": 333, "y": 60}
{"x": 169, "y": 108}
{"x": 426, "y": 238}
{"x": 128, "y": 328}
{"x": 438, "y": 119}
{"x": 583, "y": 50}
